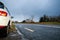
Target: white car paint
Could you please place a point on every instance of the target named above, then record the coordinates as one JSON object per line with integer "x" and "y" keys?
{"x": 4, "y": 19}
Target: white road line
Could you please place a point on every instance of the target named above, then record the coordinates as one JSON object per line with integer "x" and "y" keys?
{"x": 29, "y": 29}
{"x": 21, "y": 34}
{"x": 18, "y": 31}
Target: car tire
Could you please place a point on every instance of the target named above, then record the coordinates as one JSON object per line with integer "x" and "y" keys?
{"x": 5, "y": 32}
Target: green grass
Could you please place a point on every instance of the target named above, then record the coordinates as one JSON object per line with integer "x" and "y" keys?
{"x": 12, "y": 28}
{"x": 55, "y": 23}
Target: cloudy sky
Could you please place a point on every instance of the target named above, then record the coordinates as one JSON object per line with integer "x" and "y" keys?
{"x": 24, "y": 9}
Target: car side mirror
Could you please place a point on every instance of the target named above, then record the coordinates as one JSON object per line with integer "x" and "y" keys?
{"x": 12, "y": 17}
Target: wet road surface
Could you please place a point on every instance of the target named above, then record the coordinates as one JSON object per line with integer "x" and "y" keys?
{"x": 12, "y": 36}
{"x": 34, "y": 32}
{"x": 39, "y": 32}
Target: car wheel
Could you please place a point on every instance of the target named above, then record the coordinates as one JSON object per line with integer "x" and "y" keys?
{"x": 5, "y": 32}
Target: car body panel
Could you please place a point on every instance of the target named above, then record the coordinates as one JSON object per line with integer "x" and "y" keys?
{"x": 4, "y": 20}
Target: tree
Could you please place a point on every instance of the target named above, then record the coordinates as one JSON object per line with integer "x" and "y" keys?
{"x": 23, "y": 21}
{"x": 44, "y": 19}
{"x": 41, "y": 19}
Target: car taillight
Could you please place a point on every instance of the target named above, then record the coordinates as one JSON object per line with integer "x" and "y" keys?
{"x": 2, "y": 27}
{"x": 2, "y": 13}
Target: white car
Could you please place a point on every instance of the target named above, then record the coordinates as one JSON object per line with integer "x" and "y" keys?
{"x": 5, "y": 20}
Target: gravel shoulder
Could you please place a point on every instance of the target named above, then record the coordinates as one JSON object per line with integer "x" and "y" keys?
{"x": 13, "y": 34}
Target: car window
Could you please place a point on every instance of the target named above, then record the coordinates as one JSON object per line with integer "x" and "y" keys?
{"x": 1, "y": 5}
{"x": 4, "y": 7}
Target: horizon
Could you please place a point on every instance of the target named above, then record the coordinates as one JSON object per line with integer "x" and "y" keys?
{"x": 24, "y": 9}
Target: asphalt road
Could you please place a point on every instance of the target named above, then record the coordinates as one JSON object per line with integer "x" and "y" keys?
{"x": 12, "y": 36}
{"x": 39, "y": 32}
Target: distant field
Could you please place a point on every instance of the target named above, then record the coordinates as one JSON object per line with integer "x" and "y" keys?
{"x": 50, "y": 23}
{"x": 55, "y": 23}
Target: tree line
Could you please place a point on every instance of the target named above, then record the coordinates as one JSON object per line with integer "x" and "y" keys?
{"x": 46, "y": 18}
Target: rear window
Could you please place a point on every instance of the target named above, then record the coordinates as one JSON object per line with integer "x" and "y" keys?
{"x": 1, "y": 5}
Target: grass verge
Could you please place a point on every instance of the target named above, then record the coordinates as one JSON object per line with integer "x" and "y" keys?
{"x": 53, "y": 23}
{"x": 12, "y": 28}
{"x": 50, "y": 23}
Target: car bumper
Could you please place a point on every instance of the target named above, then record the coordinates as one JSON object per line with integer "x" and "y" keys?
{"x": 4, "y": 21}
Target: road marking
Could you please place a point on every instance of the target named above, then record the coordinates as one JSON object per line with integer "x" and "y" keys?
{"x": 19, "y": 32}
{"x": 29, "y": 29}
